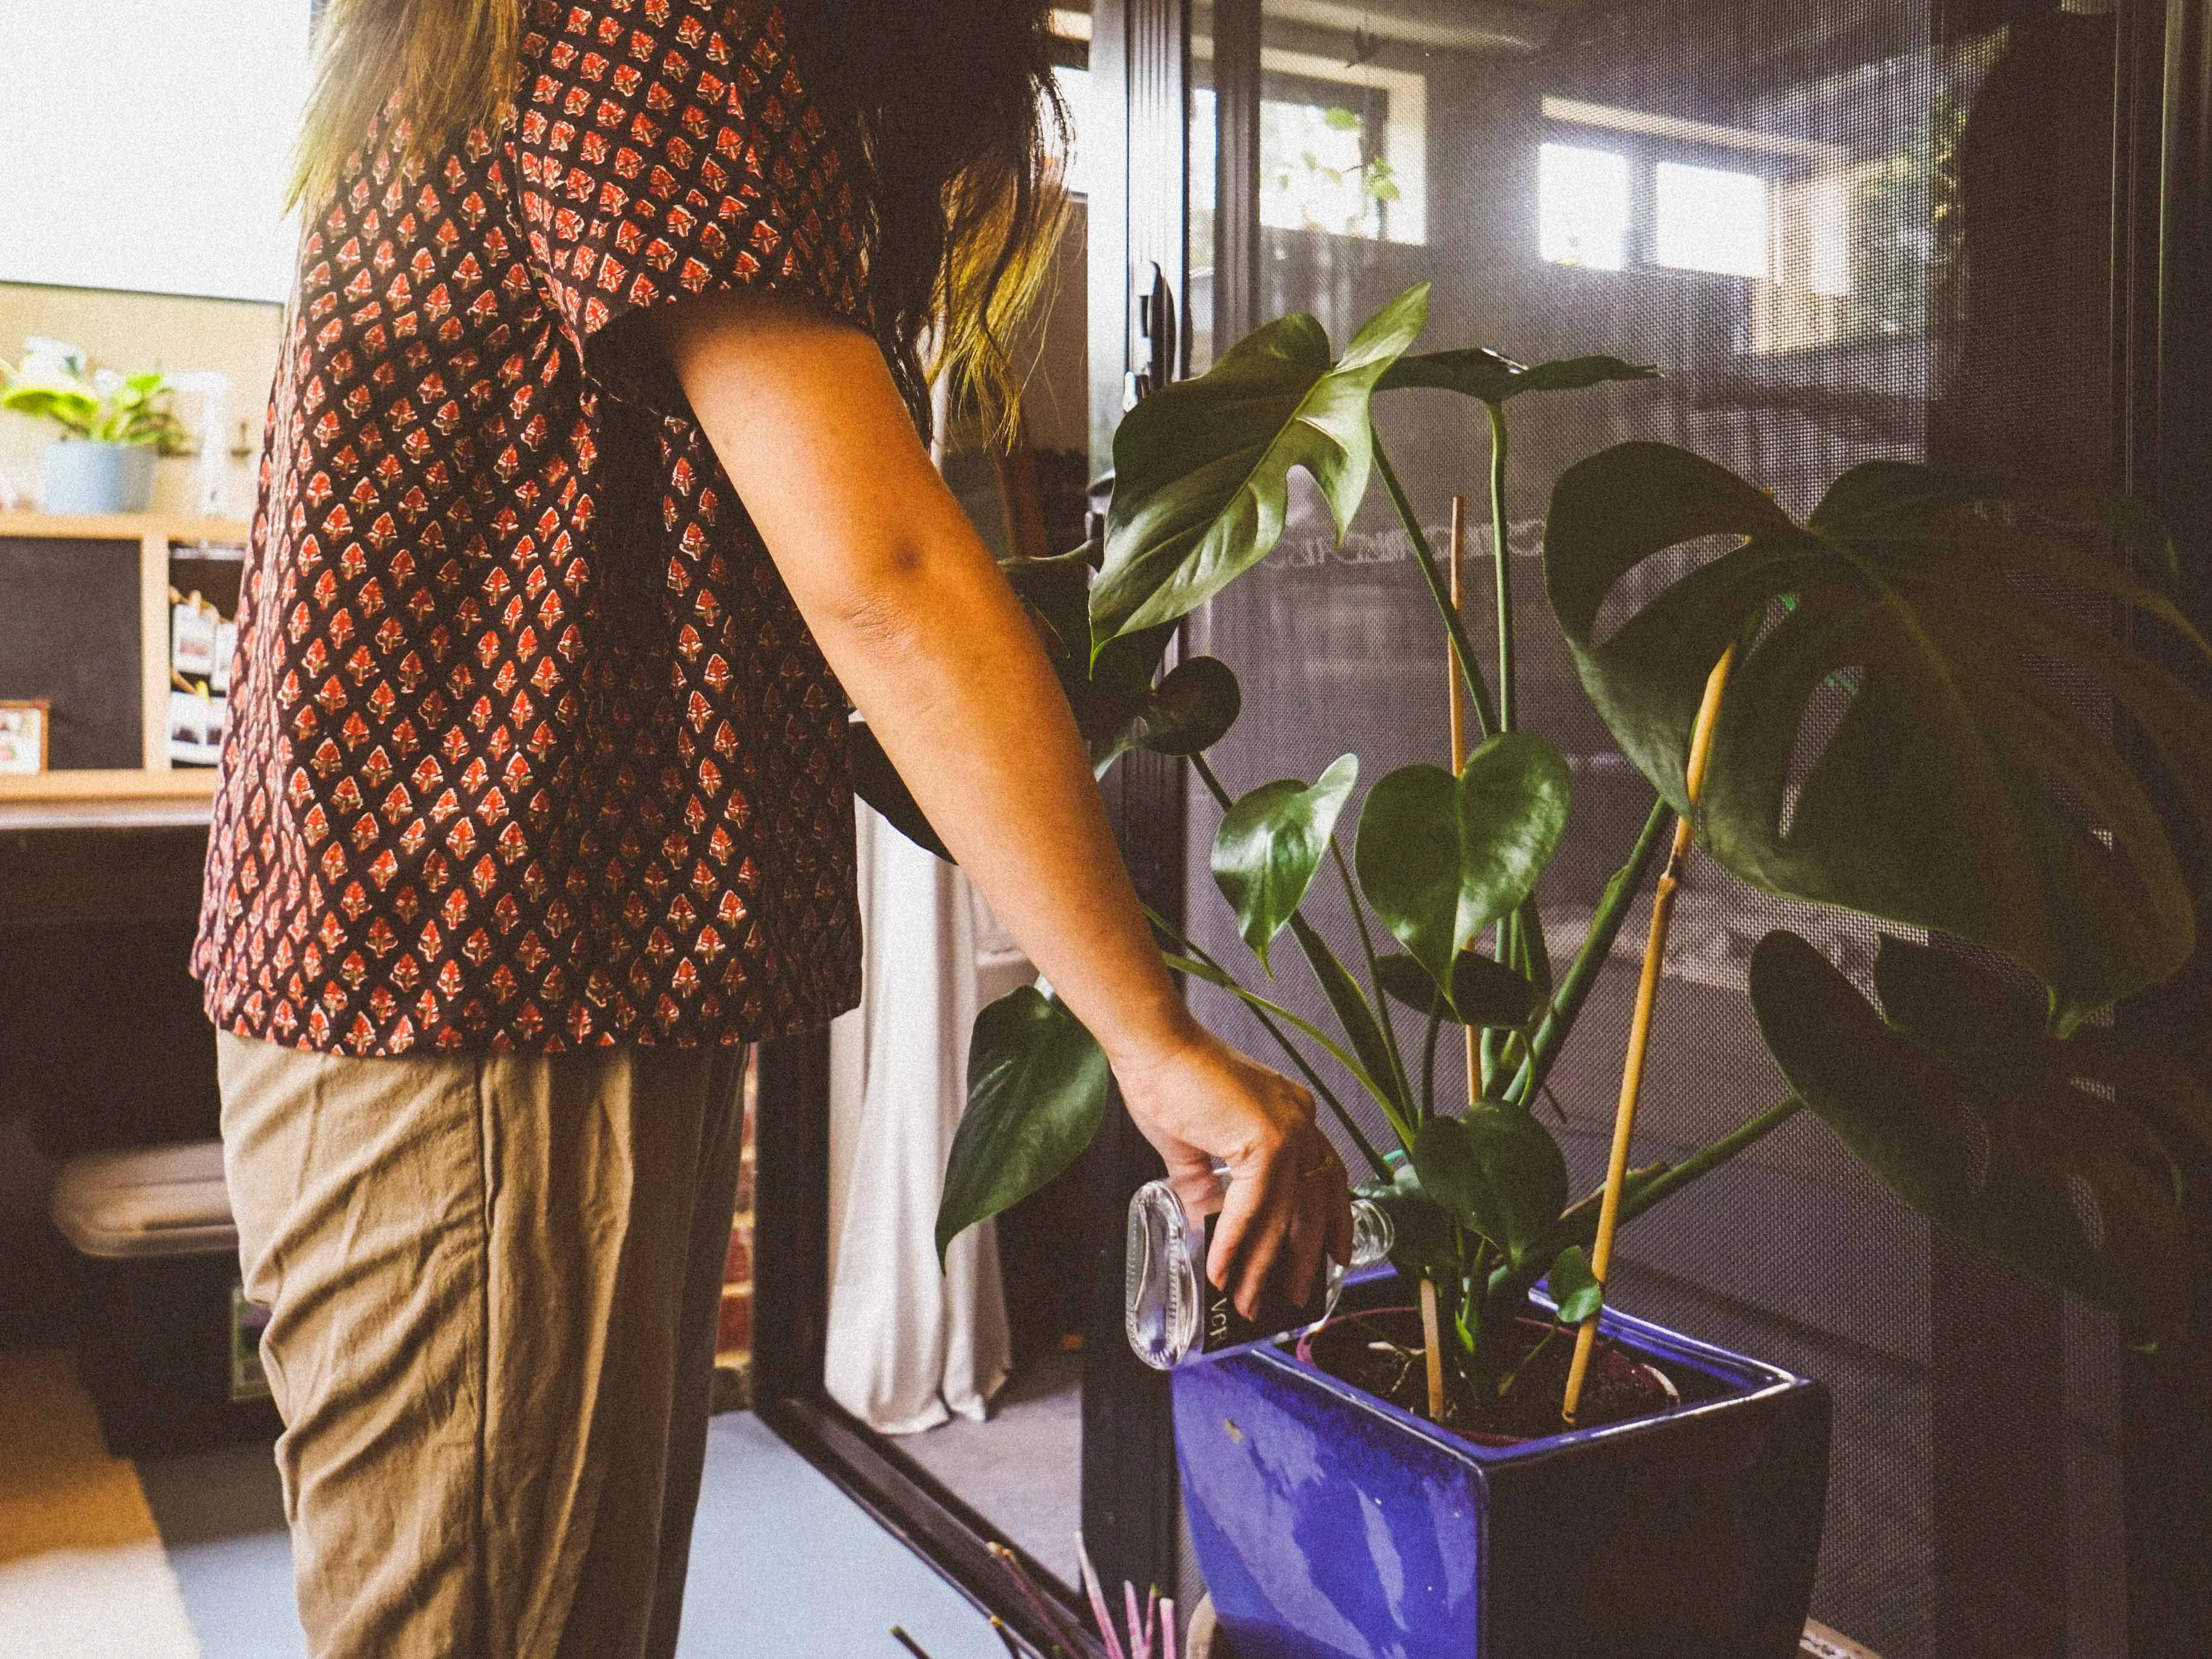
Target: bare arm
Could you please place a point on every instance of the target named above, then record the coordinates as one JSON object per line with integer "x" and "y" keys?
{"x": 936, "y": 652}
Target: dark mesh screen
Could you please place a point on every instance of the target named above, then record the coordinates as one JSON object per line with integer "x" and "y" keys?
{"x": 1843, "y": 231}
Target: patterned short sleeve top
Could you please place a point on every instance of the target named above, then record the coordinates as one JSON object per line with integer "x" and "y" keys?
{"x": 529, "y": 747}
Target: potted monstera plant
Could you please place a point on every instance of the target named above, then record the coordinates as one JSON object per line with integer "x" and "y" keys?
{"x": 1483, "y": 1480}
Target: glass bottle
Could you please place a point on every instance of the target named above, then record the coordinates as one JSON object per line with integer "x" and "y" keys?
{"x": 1170, "y": 1310}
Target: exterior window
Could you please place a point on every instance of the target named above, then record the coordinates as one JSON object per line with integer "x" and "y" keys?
{"x": 1582, "y": 207}
{"x": 1705, "y": 219}
{"x": 1343, "y": 146}
{"x": 87, "y": 201}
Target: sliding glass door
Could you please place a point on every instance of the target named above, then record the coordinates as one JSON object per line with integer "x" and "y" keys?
{"x": 1841, "y": 232}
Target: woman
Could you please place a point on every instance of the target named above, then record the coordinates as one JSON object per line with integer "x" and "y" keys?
{"x": 591, "y": 494}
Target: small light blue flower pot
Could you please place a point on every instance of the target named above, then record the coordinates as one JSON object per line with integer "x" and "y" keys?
{"x": 82, "y": 476}
{"x": 1329, "y": 1524}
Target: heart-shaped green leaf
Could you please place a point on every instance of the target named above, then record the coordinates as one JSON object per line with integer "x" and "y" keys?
{"x": 1575, "y": 1290}
{"x": 877, "y": 782}
{"x": 1187, "y": 713}
{"x": 1037, "y": 1091}
{"x": 1484, "y": 992}
{"x": 1271, "y": 843}
{"x": 1964, "y": 787}
{"x": 1109, "y": 692}
{"x": 2058, "y": 1182}
{"x": 1441, "y": 859}
{"x": 1491, "y": 379}
{"x": 1423, "y": 1244}
{"x": 1496, "y": 1170}
{"x": 1202, "y": 468}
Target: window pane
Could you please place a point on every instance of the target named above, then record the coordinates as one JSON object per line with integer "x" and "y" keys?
{"x": 177, "y": 188}
{"x": 1582, "y": 206}
{"x": 1710, "y": 220}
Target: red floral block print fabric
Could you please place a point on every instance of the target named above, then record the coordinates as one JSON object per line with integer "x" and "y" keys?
{"x": 529, "y": 747}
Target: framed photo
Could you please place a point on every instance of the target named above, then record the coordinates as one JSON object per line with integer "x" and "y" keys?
{"x": 23, "y": 738}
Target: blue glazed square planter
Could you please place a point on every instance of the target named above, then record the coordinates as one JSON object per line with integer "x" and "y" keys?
{"x": 1332, "y": 1525}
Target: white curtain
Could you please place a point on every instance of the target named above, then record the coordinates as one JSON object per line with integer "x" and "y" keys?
{"x": 908, "y": 1346}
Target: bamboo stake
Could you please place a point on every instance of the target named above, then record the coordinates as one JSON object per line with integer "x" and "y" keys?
{"x": 1432, "y": 1350}
{"x": 1639, "y": 1029}
{"x": 1459, "y": 745}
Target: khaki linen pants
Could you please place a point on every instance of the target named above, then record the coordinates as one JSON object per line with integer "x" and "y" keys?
{"x": 494, "y": 1281}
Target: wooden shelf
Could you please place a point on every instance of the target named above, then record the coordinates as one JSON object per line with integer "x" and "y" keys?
{"x": 178, "y": 783}
{"x": 155, "y": 533}
{"x": 124, "y": 527}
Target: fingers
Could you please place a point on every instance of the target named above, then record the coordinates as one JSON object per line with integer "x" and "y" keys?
{"x": 1197, "y": 1188}
{"x": 1340, "y": 1240}
{"x": 1250, "y": 1239}
{"x": 1285, "y": 1210}
{"x": 1319, "y": 1178}
{"x": 1287, "y": 1207}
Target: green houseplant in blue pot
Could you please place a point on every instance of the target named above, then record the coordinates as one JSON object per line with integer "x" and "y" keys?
{"x": 113, "y": 426}
{"x": 1454, "y": 1484}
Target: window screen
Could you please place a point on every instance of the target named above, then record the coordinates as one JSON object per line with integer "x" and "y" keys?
{"x": 1842, "y": 232}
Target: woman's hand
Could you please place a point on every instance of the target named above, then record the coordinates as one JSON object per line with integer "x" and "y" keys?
{"x": 1198, "y": 1101}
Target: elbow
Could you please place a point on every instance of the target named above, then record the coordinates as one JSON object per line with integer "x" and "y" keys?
{"x": 879, "y": 602}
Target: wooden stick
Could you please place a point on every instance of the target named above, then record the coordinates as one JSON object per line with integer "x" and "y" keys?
{"x": 1451, "y": 670}
{"x": 1432, "y": 1350}
{"x": 1639, "y": 1029}
{"x": 1471, "y": 1037}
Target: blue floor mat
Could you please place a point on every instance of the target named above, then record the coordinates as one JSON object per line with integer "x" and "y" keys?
{"x": 783, "y": 1565}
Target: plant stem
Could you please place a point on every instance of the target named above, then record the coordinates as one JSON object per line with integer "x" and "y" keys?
{"x": 1501, "y": 553}
{"x": 1429, "y": 1062}
{"x": 1574, "y": 988}
{"x": 1314, "y": 1079}
{"x": 1505, "y": 1383}
{"x": 1213, "y": 784}
{"x": 1486, "y": 712}
{"x": 1678, "y": 1175}
{"x": 1399, "y": 1074}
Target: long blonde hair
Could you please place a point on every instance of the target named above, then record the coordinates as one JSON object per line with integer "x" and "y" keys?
{"x": 948, "y": 108}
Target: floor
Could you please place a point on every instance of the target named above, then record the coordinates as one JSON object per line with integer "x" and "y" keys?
{"x": 1021, "y": 1470}
{"x": 782, "y": 1562}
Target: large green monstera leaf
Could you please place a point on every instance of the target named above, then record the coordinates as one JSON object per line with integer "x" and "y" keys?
{"x": 1491, "y": 378}
{"x": 2061, "y": 1158}
{"x": 1962, "y": 789}
{"x": 1202, "y": 468}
